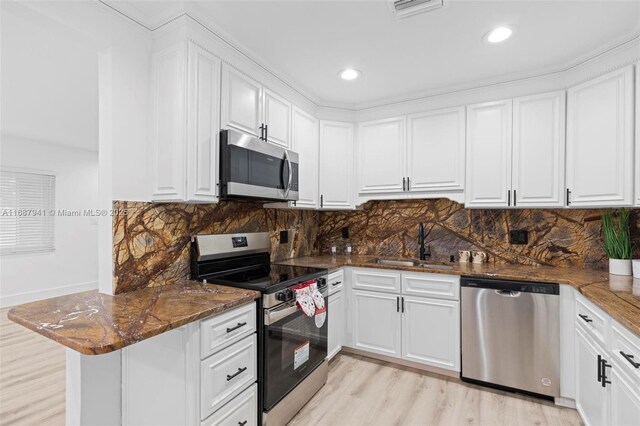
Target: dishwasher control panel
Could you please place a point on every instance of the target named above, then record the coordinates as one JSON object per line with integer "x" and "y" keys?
{"x": 523, "y": 287}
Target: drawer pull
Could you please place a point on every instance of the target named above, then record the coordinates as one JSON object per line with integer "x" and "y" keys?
{"x": 585, "y": 318}
{"x": 604, "y": 377}
{"x": 630, "y": 359}
{"x": 240, "y": 371}
{"x": 242, "y": 423}
{"x": 240, "y": 324}
{"x": 336, "y": 283}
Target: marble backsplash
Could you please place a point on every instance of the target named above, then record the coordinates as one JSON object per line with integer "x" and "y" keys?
{"x": 557, "y": 237}
{"x": 152, "y": 240}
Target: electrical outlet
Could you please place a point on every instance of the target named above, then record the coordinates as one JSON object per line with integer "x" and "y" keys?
{"x": 345, "y": 232}
{"x": 519, "y": 236}
{"x": 284, "y": 237}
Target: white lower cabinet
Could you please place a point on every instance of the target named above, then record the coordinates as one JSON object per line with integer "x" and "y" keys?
{"x": 336, "y": 332}
{"x": 431, "y": 332}
{"x": 607, "y": 370}
{"x": 377, "y": 322}
{"x": 336, "y": 323}
{"x": 591, "y": 397}
{"x": 402, "y": 325}
{"x": 171, "y": 379}
{"x": 242, "y": 410}
{"x": 226, "y": 372}
{"x": 625, "y": 399}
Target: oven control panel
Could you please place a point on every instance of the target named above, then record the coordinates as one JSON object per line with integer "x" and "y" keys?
{"x": 285, "y": 295}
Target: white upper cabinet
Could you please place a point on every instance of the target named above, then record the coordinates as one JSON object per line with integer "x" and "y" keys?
{"x": 600, "y": 141}
{"x": 306, "y": 134}
{"x": 241, "y": 107}
{"x": 382, "y": 156}
{"x": 203, "y": 124}
{"x": 185, "y": 126}
{"x": 253, "y": 109}
{"x": 538, "y": 150}
{"x": 277, "y": 119}
{"x": 336, "y": 165}
{"x": 488, "y": 177}
{"x": 436, "y": 150}
{"x": 168, "y": 127}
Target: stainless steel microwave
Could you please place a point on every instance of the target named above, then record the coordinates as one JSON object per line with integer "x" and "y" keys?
{"x": 251, "y": 168}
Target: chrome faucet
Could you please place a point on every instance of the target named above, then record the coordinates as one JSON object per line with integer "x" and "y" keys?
{"x": 424, "y": 251}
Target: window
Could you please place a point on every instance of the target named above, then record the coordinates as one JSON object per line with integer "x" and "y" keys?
{"x": 27, "y": 202}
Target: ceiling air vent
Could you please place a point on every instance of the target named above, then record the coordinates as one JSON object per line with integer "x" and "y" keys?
{"x": 406, "y": 8}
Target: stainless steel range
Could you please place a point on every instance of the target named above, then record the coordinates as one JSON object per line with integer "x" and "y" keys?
{"x": 292, "y": 355}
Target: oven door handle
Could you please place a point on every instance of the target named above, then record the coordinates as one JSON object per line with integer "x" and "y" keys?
{"x": 273, "y": 316}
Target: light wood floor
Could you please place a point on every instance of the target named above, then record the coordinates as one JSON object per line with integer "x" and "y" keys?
{"x": 363, "y": 391}
{"x": 32, "y": 377}
{"x": 360, "y": 391}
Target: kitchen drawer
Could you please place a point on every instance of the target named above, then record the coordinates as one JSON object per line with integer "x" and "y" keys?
{"x": 336, "y": 281}
{"x": 627, "y": 343}
{"x": 437, "y": 286}
{"x": 241, "y": 410}
{"x": 376, "y": 280}
{"x": 226, "y": 373}
{"x": 592, "y": 319}
{"x": 222, "y": 330}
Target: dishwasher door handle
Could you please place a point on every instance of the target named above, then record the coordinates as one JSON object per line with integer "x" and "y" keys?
{"x": 508, "y": 293}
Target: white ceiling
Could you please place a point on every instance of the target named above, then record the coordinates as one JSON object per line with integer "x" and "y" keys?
{"x": 308, "y": 42}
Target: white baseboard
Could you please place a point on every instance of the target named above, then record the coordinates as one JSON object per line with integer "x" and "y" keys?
{"x": 7, "y": 300}
{"x": 565, "y": 402}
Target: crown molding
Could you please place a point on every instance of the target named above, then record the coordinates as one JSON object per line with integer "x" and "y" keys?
{"x": 193, "y": 13}
{"x": 559, "y": 71}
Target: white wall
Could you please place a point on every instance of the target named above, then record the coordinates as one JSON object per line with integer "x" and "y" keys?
{"x": 73, "y": 266}
{"x": 50, "y": 82}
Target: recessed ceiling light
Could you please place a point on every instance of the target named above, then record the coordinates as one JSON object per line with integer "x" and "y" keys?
{"x": 499, "y": 34}
{"x": 349, "y": 74}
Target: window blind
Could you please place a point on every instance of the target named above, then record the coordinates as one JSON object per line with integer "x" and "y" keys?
{"x": 27, "y": 203}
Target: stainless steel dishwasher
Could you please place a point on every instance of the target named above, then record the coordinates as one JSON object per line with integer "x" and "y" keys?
{"x": 511, "y": 335}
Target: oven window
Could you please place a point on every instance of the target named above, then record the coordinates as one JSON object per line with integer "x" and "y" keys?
{"x": 294, "y": 347}
{"x": 254, "y": 168}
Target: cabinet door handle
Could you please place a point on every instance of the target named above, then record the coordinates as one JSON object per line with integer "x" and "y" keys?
{"x": 240, "y": 371}
{"x": 404, "y": 184}
{"x": 266, "y": 132}
{"x": 508, "y": 197}
{"x": 336, "y": 283}
{"x": 605, "y": 364}
{"x": 321, "y": 200}
{"x": 630, "y": 359}
{"x": 261, "y": 131}
{"x": 514, "y": 198}
{"x": 403, "y": 304}
{"x": 408, "y": 184}
{"x": 568, "y": 197}
{"x": 599, "y": 368}
{"x": 585, "y": 318}
{"x": 397, "y": 304}
{"x": 240, "y": 325}
{"x": 242, "y": 423}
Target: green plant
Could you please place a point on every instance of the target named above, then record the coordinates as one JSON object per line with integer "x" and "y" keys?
{"x": 615, "y": 230}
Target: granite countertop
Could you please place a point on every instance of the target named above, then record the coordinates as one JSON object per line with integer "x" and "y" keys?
{"x": 94, "y": 323}
{"x": 618, "y": 296}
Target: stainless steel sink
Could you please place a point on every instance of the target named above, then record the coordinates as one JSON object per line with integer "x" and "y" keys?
{"x": 437, "y": 266}
{"x": 393, "y": 262}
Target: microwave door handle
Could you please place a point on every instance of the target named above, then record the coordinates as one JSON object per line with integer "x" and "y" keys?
{"x": 288, "y": 160}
